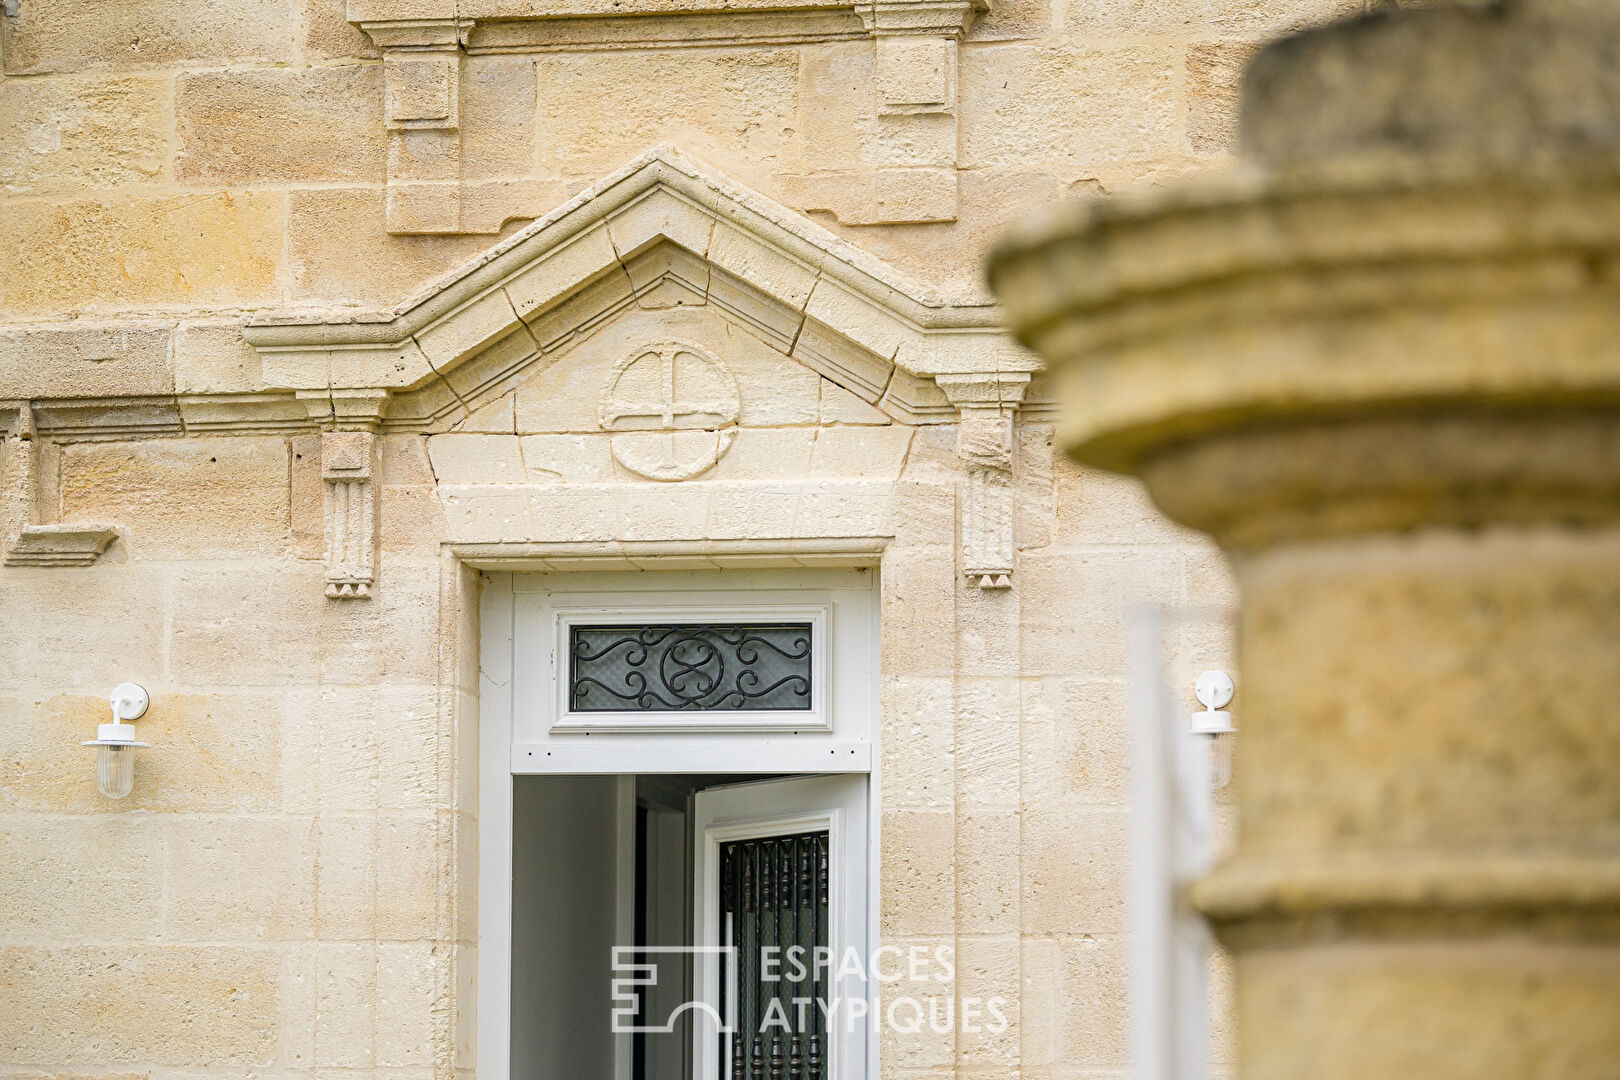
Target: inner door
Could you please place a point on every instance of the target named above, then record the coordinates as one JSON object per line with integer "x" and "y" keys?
{"x": 781, "y": 927}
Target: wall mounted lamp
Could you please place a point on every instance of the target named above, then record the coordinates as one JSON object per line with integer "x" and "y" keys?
{"x": 1215, "y": 691}
{"x": 115, "y": 742}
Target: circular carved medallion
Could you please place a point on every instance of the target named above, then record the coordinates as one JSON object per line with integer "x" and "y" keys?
{"x": 672, "y": 408}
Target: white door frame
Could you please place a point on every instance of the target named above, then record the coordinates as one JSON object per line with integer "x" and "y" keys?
{"x": 497, "y": 764}
{"x": 838, "y": 804}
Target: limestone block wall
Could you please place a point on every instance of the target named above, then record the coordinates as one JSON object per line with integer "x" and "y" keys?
{"x": 289, "y": 890}
{"x": 269, "y": 898}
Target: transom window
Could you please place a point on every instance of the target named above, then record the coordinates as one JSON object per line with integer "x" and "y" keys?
{"x": 660, "y": 669}
{"x": 699, "y": 666}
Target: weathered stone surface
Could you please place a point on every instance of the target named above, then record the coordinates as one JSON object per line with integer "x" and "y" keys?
{"x": 1074, "y": 740}
{"x": 93, "y": 361}
{"x": 1092, "y": 1025}
{"x": 69, "y": 882}
{"x": 1068, "y": 887}
{"x": 206, "y": 249}
{"x": 55, "y": 637}
{"x": 327, "y": 225}
{"x": 1101, "y": 583}
{"x": 1227, "y": 17}
{"x": 67, "y": 35}
{"x": 198, "y": 1005}
{"x": 1119, "y": 105}
{"x": 498, "y": 106}
{"x": 346, "y": 1006}
{"x": 247, "y": 625}
{"x": 213, "y": 358}
{"x": 317, "y": 124}
{"x": 1214, "y": 70}
{"x": 183, "y": 497}
{"x": 407, "y": 977}
{"x": 64, "y": 135}
{"x": 220, "y": 887}
{"x": 919, "y": 893}
{"x": 1013, "y": 20}
{"x": 329, "y": 34}
{"x": 734, "y": 108}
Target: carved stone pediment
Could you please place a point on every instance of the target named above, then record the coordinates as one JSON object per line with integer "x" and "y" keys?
{"x": 629, "y": 318}
{"x": 662, "y": 217}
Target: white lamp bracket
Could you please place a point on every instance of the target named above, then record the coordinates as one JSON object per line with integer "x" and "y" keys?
{"x": 129, "y": 701}
{"x": 1214, "y": 690}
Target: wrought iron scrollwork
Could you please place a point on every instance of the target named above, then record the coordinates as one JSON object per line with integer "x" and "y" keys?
{"x": 704, "y": 667}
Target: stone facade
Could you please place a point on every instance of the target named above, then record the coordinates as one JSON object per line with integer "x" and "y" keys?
{"x": 304, "y": 311}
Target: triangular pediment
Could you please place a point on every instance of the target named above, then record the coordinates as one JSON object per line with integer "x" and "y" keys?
{"x": 661, "y": 232}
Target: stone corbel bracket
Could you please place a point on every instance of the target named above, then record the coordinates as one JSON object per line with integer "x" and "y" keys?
{"x": 349, "y": 468}
{"x": 34, "y": 543}
{"x": 988, "y": 404}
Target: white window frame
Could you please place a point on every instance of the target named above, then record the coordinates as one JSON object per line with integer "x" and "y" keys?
{"x": 658, "y": 722}
{"x": 505, "y": 625}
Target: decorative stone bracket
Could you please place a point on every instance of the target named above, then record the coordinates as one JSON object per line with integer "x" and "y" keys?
{"x": 35, "y": 543}
{"x": 348, "y": 465}
{"x": 988, "y": 404}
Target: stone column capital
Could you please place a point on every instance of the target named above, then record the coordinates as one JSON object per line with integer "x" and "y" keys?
{"x": 1381, "y": 367}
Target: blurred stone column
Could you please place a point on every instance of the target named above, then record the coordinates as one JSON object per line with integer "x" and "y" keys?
{"x": 1380, "y": 364}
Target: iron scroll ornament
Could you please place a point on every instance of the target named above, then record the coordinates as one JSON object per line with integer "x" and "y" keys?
{"x": 705, "y": 667}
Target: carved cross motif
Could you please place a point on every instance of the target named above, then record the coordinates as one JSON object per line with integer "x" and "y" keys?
{"x": 671, "y": 406}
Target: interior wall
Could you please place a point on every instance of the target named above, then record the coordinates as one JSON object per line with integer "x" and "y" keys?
{"x": 565, "y": 873}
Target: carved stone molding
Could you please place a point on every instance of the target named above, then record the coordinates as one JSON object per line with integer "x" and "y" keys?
{"x": 348, "y": 466}
{"x": 58, "y": 545}
{"x": 29, "y": 542}
{"x": 833, "y": 307}
{"x": 912, "y": 101}
{"x": 989, "y": 405}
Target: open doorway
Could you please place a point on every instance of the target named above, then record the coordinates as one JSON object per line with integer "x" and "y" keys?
{"x": 695, "y": 932}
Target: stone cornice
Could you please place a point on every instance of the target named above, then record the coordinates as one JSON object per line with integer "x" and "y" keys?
{"x": 1267, "y": 263}
{"x": 507, "y": 26}
{"x": 822, "y": 285}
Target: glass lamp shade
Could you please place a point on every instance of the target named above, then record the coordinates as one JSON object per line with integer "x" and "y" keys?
{"x": 115, "y": 769}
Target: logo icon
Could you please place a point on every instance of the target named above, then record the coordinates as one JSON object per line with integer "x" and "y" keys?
{"x": 636, "y": 973}
{"x": 672, "y": 407}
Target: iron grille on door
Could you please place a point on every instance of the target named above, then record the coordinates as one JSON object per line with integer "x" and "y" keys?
{"x": 773, "y": 896}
